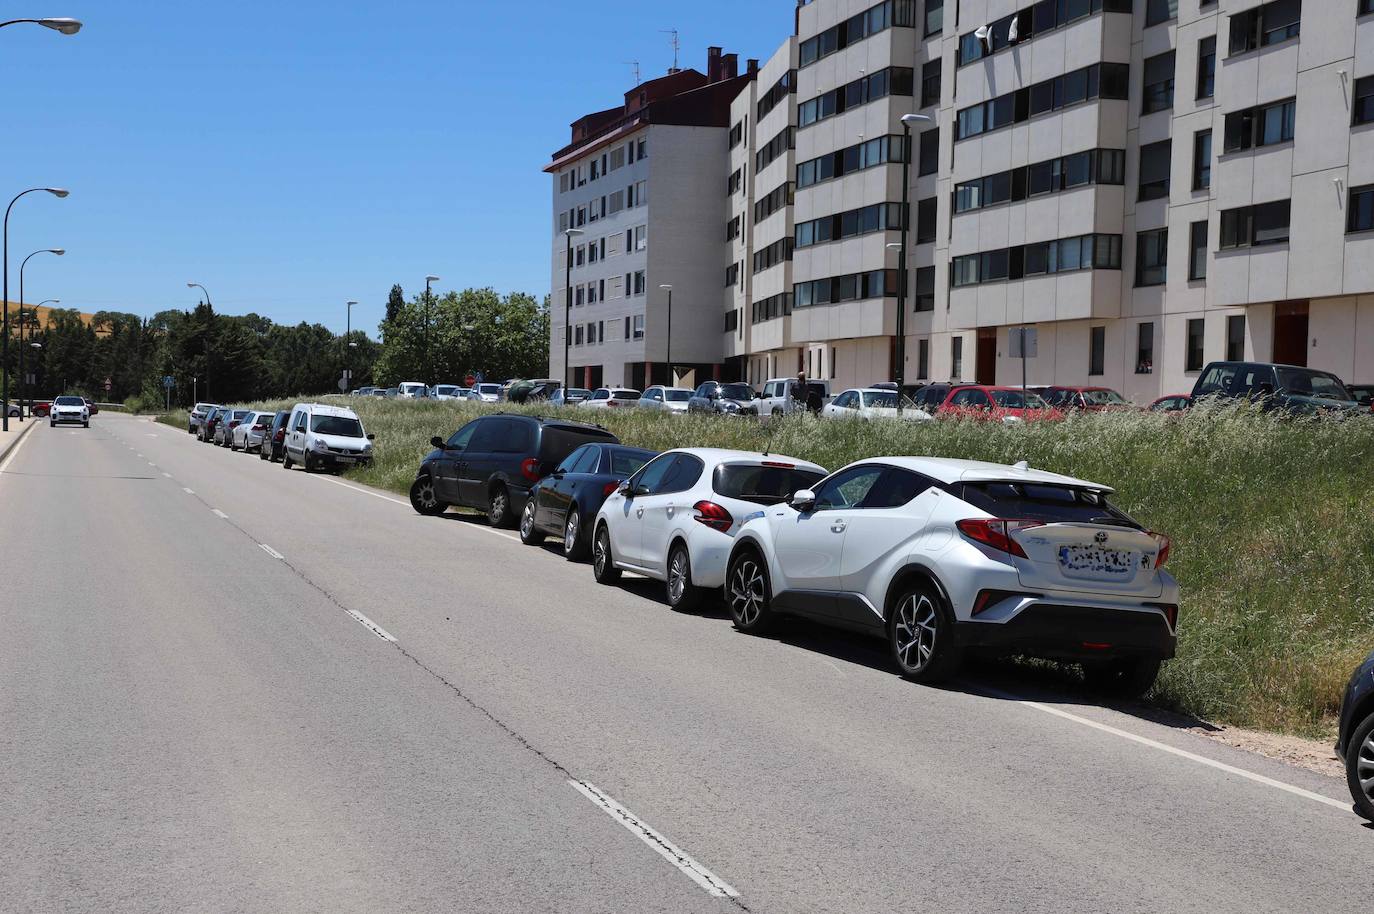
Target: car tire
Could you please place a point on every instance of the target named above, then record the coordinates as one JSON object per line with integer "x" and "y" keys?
{"x": 682, "y": 595}
{"x": 498, "y": 507}
{"x": 529, "y": 533}
{"x": 1360, "y": 758}
{"x": 574, "y": 541}
{"x": 749, "y": 593}
{"x": 423, "y": 497}
{"x": 232, "y": 445}
{"x": 85, "y": 425}
{"x": 603, "y": 561}
{"x": 285, "y": 460}
{"x": 52, "y": 424}
{"x": 1123, "y": 677}
{"x": 920, "y": 635}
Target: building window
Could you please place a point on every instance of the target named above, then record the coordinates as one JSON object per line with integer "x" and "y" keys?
{"x": 1029, "y": 22}
{"x": 1366, "y": 7}
{"x": 1107, "y": 80}
{"x": 870, "y": 88}
{"x": 1197, "y": 251}
{"x": 882, "y": 150}
{"x": 925, "y": 221}
{"x": 856, "y": 28}
{"x": 784, "y": 141}
{"x": 1157, "y": 11}
{"x": 1202, "y": 160}
{"x": 776, "y": 199}
{"x": 956, "y": 358}
{"x": 1145, "y": 348}
{"x": 1096, "y": 166}
{"x": 778, "y": 252}
{"x": 852, "y": 287}
{"x": 1207, "y": 67}
{"x": 1152, "y": 257}
{"x": 930, "y": 151}
{"x": 1360, "y": 212}
{"x": 1235, "y": 338}
{"x": 935, "y": 17}
{"x": 1263, "y": 125}
{"x": 1265, "y": 25}
{"x": 1081, "y": 252}
{"x": 1364, "y": 99}
{"x": 930, "y": 83}
{"x": 1263, "y": 223}
{"x": 1159, "y": 83}
{"x": 925, "y": 289}
{"x": 922, "y": 359}
{"x": 1154, "y": 170}
{"x": 1193, "y": 359}
{"x": 879, "y": 217}
{"x": 577, "y": 335}
{"x": 1097, "y": 351}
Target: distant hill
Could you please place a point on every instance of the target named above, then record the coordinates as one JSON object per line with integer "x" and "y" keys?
{"x": 43, "y": 313}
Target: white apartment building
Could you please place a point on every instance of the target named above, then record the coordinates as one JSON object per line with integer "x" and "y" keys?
{"x": 1150, "y": 184}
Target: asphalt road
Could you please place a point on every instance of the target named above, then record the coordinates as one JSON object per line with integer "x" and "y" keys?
{"x": 193, "y": 717}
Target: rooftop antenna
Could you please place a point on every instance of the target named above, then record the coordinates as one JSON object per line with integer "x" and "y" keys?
{"x": 634, "y": 64}
{"x": 677, "y": 45}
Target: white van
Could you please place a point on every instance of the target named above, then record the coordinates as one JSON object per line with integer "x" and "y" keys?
{"x": 413, "y": 390}
{"x": 777, "y": 401}
{"x": 329, "y": 436}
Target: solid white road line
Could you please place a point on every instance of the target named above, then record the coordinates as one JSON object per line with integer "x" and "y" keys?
{"x": 699, "y": 874}
{"x": 406, "y": 504}
{"x": 272, "y": 552}
{"x": 14, "y": 451}
{"x": 218, "y": 513}
{"x": 188, "y": 491}
{"x": 168, "y": 475}
{"x": 370, "y": 625}
{"x": 1181, "y": 753}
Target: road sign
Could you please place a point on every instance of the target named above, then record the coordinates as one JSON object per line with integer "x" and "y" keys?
{"x": 343, "y": 384}
{"x": 108, "y": 385}
{"x": 470, "y": 380}
{"x": 167, "y": 381}
{"x": 1023, "y": 341}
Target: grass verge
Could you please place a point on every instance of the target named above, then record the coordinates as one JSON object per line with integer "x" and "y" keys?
{"x": 1270, "y": 519}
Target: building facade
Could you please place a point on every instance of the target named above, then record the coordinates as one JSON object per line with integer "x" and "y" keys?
{"x": 1149, "y": 184}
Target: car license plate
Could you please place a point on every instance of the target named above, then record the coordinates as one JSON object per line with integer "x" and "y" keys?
{"x": 1096, "y": 561}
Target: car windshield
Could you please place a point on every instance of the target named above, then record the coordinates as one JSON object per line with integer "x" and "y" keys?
{"x": 488, "y": 388}
{"x": 625, "y": 395}
{"x": 1103, "y": 398}
{"x": 343, "y": 426}
{"x": 1050, "y": 504}
{"x": 1363, "y": 395}
{"x": 577, "y": 393}
{"x": 1312, "y": 384}
{"x": 70, "y": 401}
{"x": 764, "y": 483}
{"x": 627, "y": 463}
{"x": 673, "y": 395}
{"x": 737, "y": 392}
{"x": 1014, "y": 399}
{"x": 445, "y": 390}
{"x": 241, "y": 414}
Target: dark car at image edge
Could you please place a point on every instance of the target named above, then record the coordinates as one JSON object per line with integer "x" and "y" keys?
{"x": 1355, "y": 744}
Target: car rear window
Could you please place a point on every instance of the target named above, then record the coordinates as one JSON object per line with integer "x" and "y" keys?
{"x": 677, "y": 396}
{"x": 737, "y": 392}
{"x": 627, "y": 463}
{"x": 559, "y": 441}
{"x": 1047, "y": 503}
{"x": 766, "y": 484}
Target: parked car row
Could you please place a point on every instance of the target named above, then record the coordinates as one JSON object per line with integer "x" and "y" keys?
{"x": 940, "y": 557}
{"x": 311, "y": 434}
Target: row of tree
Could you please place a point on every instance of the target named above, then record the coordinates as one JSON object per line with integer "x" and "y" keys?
{"x": 226, "y": 358}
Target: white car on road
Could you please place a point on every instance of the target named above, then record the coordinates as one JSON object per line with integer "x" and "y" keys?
{"x": 248, "y": 434}
{"x": 943, "y": 556}
{"x": 871, "y": 403}
{"x": 611, "y": 398}
{"x": 69, "y": 409}
{"x": 666, "y": 399}
{"x": 675, "y": 520}
{"x": 328, "y": 436}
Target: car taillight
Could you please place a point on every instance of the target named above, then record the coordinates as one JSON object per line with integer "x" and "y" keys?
{"x": 529, "y": 468}
{"x": 1165, "y": 544}
{"x": 1170, "y": 611}
{"x": 713, "y": 516}
{"x": 234, "y": 423}
{"x": 608, "y": 489}
{"x": 996, "y": 533}
{"x": 280, "y": 435}
{"x": 259, "y": 428}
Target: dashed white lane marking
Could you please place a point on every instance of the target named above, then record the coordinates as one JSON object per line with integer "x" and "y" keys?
{"x": 272, "y": 552}
{"x": 168, "y": 475}
{"x": 151, "y": 464}
{"x": 713, "y": 884}
{"x": 188, "y": 491}
{"x": 369, "y": 625}
{"x": 1181, "y": 753}
{"x": 218, "y": 513}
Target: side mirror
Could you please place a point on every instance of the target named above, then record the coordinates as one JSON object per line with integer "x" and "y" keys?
{"x": 804, "y": 500}
{"x": 625, "y": 490}
{"x": 436, "y": 441}
{"x": 371, "y": 437}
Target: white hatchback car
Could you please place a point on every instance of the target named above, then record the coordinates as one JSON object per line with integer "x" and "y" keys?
{"x": 485, "y": 393}
{"x": 675, "y": 520}
{"x": 611, "y": 398}
{"x": 945, "y": 556}
{"x": 248, "y": 434}
{"x": 69, "y": 409}
{"x": 871, "y": 403}
{"x": 666, "y": 399}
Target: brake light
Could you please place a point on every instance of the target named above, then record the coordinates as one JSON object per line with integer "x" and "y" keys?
{"x": 995, "y": 533}
{"x": 608, "y": 489}
{"x": 1165, "y": 544}
{"x": 280, "y": 435}
{"x": 529, "y": 468}
{"x": 779, "y": 466}
{"x": 713, "y": 516}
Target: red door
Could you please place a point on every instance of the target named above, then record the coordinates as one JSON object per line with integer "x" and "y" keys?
{"x": 1290, "y": 333}
{"x": 986, "y": 366}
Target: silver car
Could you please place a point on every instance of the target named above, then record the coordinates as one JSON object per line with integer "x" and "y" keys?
{"x": 197, "y": 415}
{"x": 248, "y": 435}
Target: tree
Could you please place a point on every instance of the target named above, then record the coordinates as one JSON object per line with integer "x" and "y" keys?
{"x": 394, "y": 303}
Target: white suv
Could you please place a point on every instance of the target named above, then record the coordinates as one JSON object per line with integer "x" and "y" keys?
{"x": 675, "y": 520}
{"x": 946, "y": 556}
{"x": 777, "y": 397}
{"x": 69, "y": 409}
{"x": 329, "y": 436}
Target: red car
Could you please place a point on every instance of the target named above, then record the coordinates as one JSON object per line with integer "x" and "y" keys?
{"x": 1173, "y": 403}
{"x": 1088, "y": 399}
{"x": 40, "y": 407}
{"x": 1005, "y": 404}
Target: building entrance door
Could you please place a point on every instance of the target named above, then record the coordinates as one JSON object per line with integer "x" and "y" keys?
{"x": 986, "y": 367}
{"x": 1290, "y": 333}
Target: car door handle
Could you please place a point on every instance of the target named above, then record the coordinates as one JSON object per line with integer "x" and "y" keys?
{"x": 838, "y": 526}
{"x": 639, "y": 512}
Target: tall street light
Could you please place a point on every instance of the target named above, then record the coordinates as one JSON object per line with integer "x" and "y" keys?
{"x": 25, "y": 387}
{"x": 569, "y": 234}
{"x": 62, "y": 24}
{"x": 59, "y": 252}
{"x": 429, "y": 301}
{"x": 348, "y": 357}
{"x": 5, "y": 253}
{"x": 900, "y": 354}
{"x": 668, "y": 337}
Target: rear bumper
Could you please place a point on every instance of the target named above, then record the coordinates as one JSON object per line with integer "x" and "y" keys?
{"x": 1073, "y": 633}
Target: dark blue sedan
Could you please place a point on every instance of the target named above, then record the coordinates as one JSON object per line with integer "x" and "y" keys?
{"x": 563, "y": 503}
{"x": 1356, "y": 743}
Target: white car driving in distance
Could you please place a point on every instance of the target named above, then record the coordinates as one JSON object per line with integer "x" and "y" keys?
{"x": 675, "y": 519}
{"x": 69, "y": 409}
{"x": 943, "y": 556}
{"x": 871, "y": 403}
{"x": 666, "y": 399}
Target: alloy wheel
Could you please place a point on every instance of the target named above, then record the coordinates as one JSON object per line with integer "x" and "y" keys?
{"x": 570, "y": 532}
{"x": 527, "y": 520}
{"x": 677, "y": 576}
{"x": 497, "y": 510}
{"x": 916, "y": 631}
{"x": 1364, "y": 766}
{"x": 748, "y": 590}
{"x": 425, "y": 495}
{"x": 601, "y": 550}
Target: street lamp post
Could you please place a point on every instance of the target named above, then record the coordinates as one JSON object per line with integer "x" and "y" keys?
{"x": 900, "y": 354}
{"x": 59, "y": 252}
{"x": 25, "y": 387}
{"x": 348, "y": 356}
{"x": 208, "y": 304}
{"x": 429, "y": 301}
{"x": 569, "y": 234}
{"x": 668, "y": 337}
{"x": 5, "y": 254}
{"x": 62, "y": 24}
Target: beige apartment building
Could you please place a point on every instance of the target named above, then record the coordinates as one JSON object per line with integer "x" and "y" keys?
{"x": 1149, "y": 184}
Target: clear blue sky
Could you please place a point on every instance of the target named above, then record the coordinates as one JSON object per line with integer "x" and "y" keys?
{"x": 294, "y": 156}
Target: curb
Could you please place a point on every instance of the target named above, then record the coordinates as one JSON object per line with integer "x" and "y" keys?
{"x": 28, "y": 426}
